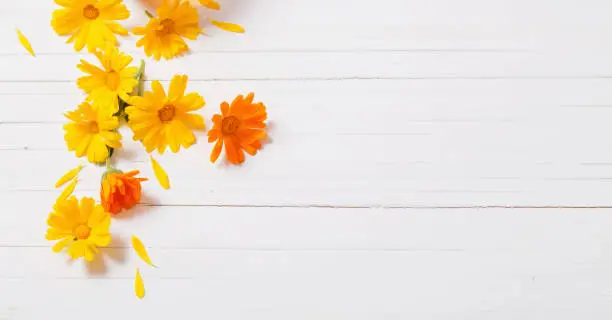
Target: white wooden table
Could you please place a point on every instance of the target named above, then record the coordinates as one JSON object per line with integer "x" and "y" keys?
{"x": 430, "y": 159}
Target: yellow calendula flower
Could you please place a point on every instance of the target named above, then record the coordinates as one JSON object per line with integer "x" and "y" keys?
{"x": 159, "y": 120}
{"x": 113, "y": 81}
{"x": 163, "y": 35}
{"x": 91, "y": 132}
{"x": 82, "y": 226}
{"x": 90, "y": 22}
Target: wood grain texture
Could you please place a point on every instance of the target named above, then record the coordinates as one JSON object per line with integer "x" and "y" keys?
{"x": 433, "y": 159}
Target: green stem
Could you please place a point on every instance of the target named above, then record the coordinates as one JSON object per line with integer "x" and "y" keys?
{"x": 140, "y": 70}
{"x": 140, "y": 77}
{"x": 148, "y": 14}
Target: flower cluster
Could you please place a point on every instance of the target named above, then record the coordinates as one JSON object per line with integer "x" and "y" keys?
{"x": 93, "y": 23}
{"x": 160, "y": 119}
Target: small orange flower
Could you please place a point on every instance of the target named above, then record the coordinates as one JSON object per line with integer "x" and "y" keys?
{"x": 120, "y": 191}
{"x": 240, "y": 126}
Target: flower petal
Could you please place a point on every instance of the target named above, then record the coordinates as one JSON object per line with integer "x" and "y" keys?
{"x": 68, "y": 176}
{"x": 141, "y": 250}
{"x": 139, "y": 288}
{"x": 68, "y": 190}
{"x": 231, "y": 27}
{"x": 25, "y": 42}
{"x": 160, "y": 174}
{"x": 211, "y": 4}
{"x": 214, "y": 155}
{"x": 60, "y": 245}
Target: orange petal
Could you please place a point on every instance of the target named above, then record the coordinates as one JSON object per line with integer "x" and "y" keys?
{"x": 232, "y": 151}
{"x": 231, "y": 27}
{"x": 210, "y": 4}
{"x": 214, "y": 155}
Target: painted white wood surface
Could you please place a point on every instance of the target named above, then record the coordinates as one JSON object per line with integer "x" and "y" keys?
{"x": 434, "y": 159}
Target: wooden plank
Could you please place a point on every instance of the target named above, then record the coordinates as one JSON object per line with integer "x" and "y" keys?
{"x": 366, "y": 143}
{"x": 294, "y": 66}
{"x": 320, "y": 25}
{"x": 166, "y": 229}
{"x": 565, "y": 283}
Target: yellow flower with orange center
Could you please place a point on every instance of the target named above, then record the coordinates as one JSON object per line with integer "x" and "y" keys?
{"x": 90, "y": 23}
{"x": 115, "y": 80}
{"x": 163, "y": 35}
{"x": 240, "y": 126}
{"x": 120, "y": 191}
{"x": 92, "y": 132}
{"x": 82, "y": 226}
{"x": 160, "y": 121}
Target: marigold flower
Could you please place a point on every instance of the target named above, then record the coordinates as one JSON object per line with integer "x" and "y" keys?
{"x": 82, "y": 227}
{"x": 240, "y": 126}
{"x": 91, "y": 132}
{"x": 159, "y": 120}
{"x": 115, "y": 80}
{"x": 120, "y": 191}
{"x": 163, "y": 35}
{"x": 90, "y": 22}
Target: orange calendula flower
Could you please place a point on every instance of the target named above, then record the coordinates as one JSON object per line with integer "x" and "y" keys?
{"x": 90, "y": 23}
{"x": 120, "y": 191}
{"x": 163, "y": 35}
{"x": 82, "y": 226}
{"x": 240, "y": 126}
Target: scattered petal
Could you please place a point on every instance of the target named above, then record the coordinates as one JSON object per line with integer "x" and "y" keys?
{"x": 231, "y": 27}
{"x": 25, "y": 42}
{"x": 160, "y": 174}
{"x": 139, "y": 285}
{"x": 69, "y": 189}
{"x": 68, "y": 176}
{"x": 141, "y": 250}
{"x": 211, "y": 4}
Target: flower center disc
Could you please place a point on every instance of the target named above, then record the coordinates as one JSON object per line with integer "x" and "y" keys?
{"x": 166, "y": 113}
{"x": 93, "y": 127}
{"x": 230, "y": 125}
{"x": 166, "y": 26}
{"x": 82, "y": 232}
{"x": 112, "y": 80}
{"x": 90, "y": 12}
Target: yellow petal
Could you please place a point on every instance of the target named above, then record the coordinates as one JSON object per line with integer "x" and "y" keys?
{"x": 160, "y": 174}
{"x": 68, "y": 176}
{"x": 25, "y": 42}
{"x": 211, "y": 4}
{"x": 69, "y": 189}
{"x": 139, "y": 285}
{"x": 141, "y": 250}
{"x": 60, "y": 245}
{"x": 231, "y": 27}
